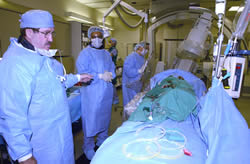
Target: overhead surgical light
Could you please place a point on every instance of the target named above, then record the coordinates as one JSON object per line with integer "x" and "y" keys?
{"x": 79, "y": 17}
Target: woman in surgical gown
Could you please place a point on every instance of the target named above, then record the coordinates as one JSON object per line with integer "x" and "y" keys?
{"x": 96, "y": 98}
{"x": 132, "y": 71}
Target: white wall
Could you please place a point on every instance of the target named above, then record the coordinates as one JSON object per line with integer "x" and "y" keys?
{"x": 125, "y": 36}
{"x": 8, "y": 28}
{"x": 62, "y": 39}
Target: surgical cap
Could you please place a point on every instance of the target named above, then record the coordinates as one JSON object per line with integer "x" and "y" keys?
{"x": 36, "y": 19}
{"x": 113, "y": 40}
{"x": 141, "y": 44}
{"x": 94, "y": 29}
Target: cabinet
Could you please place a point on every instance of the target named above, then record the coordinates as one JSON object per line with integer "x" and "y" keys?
{"x": 79, "y": 37}
{"x": 84, "y": 36}
{"x": 118, "y": 71}
{"x": 75, "y": 29}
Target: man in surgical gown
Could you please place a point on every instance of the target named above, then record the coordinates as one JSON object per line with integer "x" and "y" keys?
{"x": 133, "y": 67}
{"x": 34, "y": 113}
{"x": 96, "y": 98}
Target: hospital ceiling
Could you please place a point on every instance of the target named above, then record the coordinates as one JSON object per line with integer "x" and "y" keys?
{"x": 158, "y": 7}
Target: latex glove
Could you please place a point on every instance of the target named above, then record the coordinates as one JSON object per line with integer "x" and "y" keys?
{"x": 31, "y": 160}
{"x": 142, "y": 69}
{"x": 85, "y": 77}
{"x": 106, "y": 76}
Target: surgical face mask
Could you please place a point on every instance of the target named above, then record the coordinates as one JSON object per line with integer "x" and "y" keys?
{"x": 144, "y": 52}
{"x": 96, "y": 42}
{"x": 48, "y": 53}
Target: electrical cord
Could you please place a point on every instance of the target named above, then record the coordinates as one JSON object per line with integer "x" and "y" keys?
{"x": 179, "y": 147}
{"x": 141, "y": 157}
{"x": 162, "y": 133}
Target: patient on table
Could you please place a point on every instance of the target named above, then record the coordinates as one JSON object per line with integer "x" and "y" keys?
{"x": 172, "y": 98}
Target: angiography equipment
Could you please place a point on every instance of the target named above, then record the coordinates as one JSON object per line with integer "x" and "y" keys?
{"x": 194, "y": 45}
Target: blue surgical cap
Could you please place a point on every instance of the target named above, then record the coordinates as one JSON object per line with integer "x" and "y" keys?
{"x": 141, "y": 44}
{"x": 36, "y": 19}
{"x": 113, "y": 40}
{"x": 94, "y": 29}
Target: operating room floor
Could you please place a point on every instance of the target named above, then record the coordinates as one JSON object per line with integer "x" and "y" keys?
{"x": 243, "y": 105}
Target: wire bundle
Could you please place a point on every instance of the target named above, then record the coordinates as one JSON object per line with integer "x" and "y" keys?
{"x": 168, "y": 144}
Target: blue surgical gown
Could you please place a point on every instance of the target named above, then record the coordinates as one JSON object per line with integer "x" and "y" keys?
{"x": 69, "y": 79}
{"x": 34, "y": 112}
{"x": 130, "y": 75}
{"x": 96, "y": 98}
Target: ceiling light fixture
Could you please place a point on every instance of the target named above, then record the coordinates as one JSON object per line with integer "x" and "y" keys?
{"x": 106, "y": 26}
{"x": 109, "y": 28}
{"x": 236, "y": 8}
{"x": 79, "y": 17}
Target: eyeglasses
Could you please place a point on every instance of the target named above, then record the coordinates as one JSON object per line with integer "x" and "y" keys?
{"x": 47, "y": 33}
